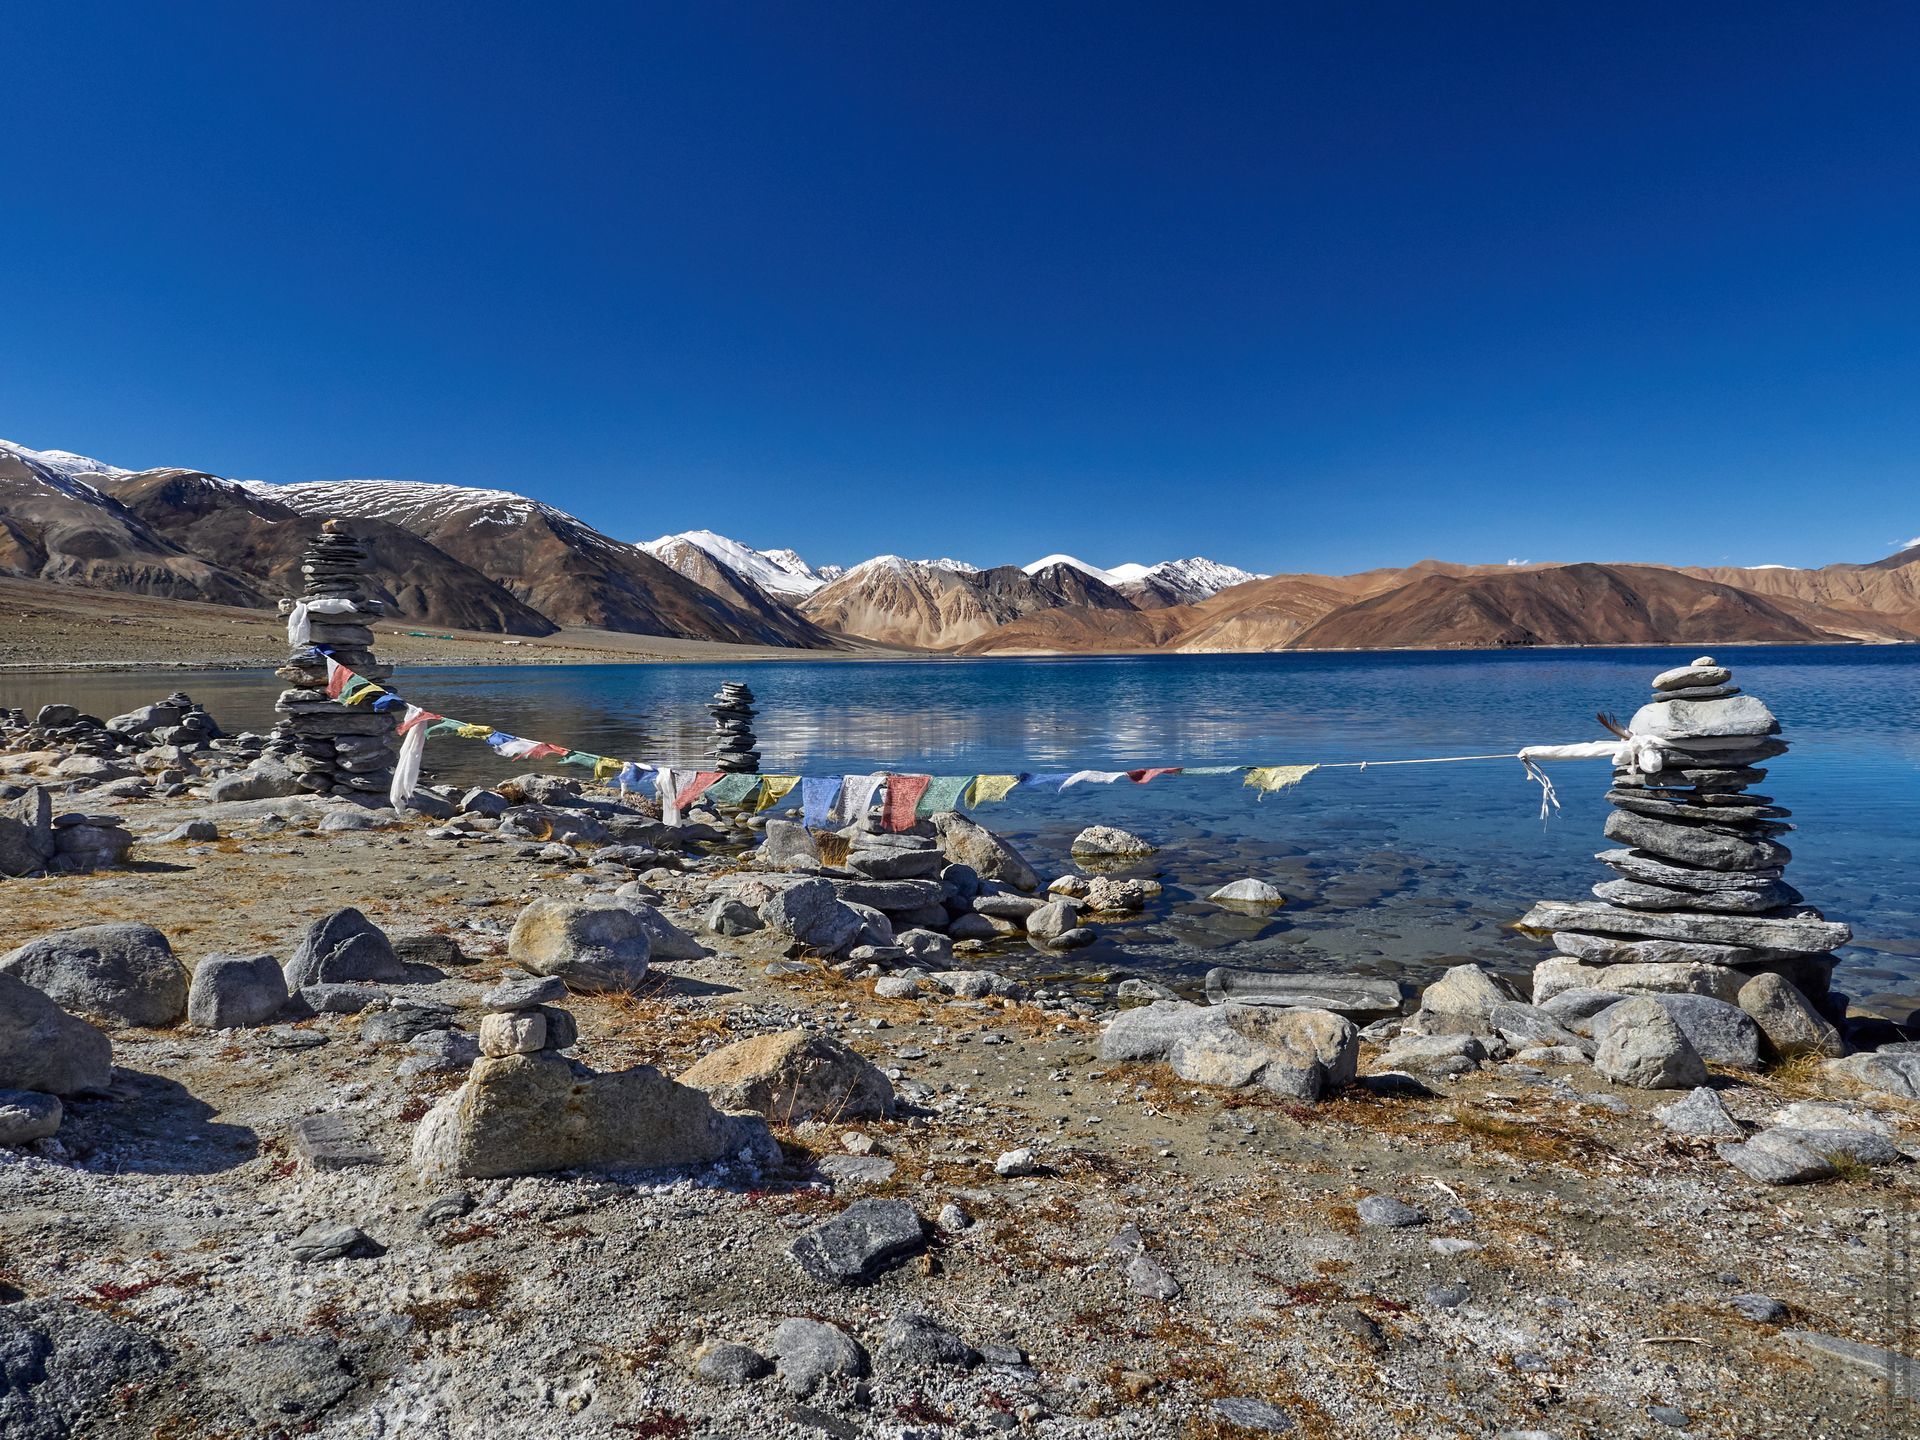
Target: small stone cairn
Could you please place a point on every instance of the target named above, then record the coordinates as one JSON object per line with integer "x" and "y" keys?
{"x": 735, "y": 749}
{"x": 332, "y": 748}
{"x": 1701, "y": 904}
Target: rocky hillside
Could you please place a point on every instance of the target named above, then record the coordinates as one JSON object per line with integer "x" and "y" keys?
{"x": 263, "y": 539}
{"x": 59, "y": 527}
{"x": 918, "y": 605}
{"x": 495, "y": 561}
{"x": 1559, "y": 605}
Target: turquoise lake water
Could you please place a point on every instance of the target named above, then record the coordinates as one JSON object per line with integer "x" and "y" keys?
{"x": 1388, "y": 869}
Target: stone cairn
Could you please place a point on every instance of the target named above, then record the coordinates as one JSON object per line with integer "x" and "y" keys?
{"x": 1701, "y": 904}
{"x": 736, "y": 750}
{"x": 342, "y": 750}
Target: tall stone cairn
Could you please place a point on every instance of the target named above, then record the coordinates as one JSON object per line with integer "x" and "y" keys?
{"x": 734, "y": 749}
{"x": 1701, "y": 904}
{"x": 333, "y": 748}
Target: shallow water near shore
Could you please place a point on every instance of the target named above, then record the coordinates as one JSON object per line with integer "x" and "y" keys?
{"x": 1389, "y": 870}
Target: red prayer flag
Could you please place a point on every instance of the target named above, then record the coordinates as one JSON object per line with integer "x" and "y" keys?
{"x": 903, "y": 798}
{"x": 1141, "y": 777}
{"x": 702, "y": 782}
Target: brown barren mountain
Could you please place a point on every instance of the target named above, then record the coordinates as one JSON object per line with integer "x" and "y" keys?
{"x": 56, "y": 528}
{"x": 1558, "y": 605}
{"x": 1882, "y": 596}
{"x": 916, "y": 606}
{"x": 265, "y": 540}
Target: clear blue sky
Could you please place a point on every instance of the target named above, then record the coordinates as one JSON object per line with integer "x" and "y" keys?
{"x": 1296, "y": 286}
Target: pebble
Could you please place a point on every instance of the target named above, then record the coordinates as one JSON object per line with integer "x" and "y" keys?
{"x": 1251, "y": 1414}
{"x": 325, "y": 1241}
{"x": 1015, "y": 1163}
{"x": 1388, "y": 1213}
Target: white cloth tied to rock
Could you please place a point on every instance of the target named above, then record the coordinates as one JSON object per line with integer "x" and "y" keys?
{"x": 1637, "y": 752}
{"x": 300, "y": 618}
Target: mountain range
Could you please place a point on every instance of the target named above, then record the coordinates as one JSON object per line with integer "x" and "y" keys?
{"x": 495, "y": 561}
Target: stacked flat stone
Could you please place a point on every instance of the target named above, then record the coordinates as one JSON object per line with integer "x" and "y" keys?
{"x": 734, "y": 750}
{"x": 521, "y": 1018}
{"x": 333, "y": 748}
{"x": 1702, "y": 869}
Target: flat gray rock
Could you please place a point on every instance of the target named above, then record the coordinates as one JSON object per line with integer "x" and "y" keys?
{"x": 1707, "y": 847}
{"x": 1737, "y": 716}
{"x": 334, "y": 1141}
{"x": 1247, "y": 1413}
{"x": 523, "y": 992}
{"x": 1899, "y": 1372}
{"x": 1645, "y": 866}
{"x": 1388, "y": 1213}
{"x": 1357, "y": 996}
{"x": 1637, "y": 895}
{"x": 1792, "y": 935}
{"x": 858, "y": 1244}
{"x": 1702, "y": 1115}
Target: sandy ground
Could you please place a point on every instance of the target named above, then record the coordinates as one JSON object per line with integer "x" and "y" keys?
{"x": 1593, "y": 1255}
{"x": 46, "y": 627}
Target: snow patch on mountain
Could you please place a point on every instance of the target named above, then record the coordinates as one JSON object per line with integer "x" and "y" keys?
{"x": 959, "y": 567}
{"x": 1047, "y": 562}
{"x": 61, "y": 470}
{"x": 781, "y": 573}
{"x": 1195, "y": 578}
{"x": 401, "y": 501}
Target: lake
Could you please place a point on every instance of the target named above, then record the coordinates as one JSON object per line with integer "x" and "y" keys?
{"x": 1388, "y": 869}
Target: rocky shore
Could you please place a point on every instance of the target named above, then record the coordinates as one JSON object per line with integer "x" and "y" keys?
{"x": 524, "y": 1113}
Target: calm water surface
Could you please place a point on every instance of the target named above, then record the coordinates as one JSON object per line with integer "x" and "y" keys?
{"x": 1389, "y": 869}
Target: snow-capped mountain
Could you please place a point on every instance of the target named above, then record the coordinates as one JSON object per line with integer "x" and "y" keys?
{"x": 958, "y": 567}
{"x": 411, "y": 503}
{"x": 780, "y": 573}
{"x": 1171, "y": 582}
{"x": 62, "y": 462}
{"x": 1193, "y": 579}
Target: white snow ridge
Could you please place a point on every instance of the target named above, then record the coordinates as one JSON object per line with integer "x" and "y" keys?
{"x": 778, "y": 572}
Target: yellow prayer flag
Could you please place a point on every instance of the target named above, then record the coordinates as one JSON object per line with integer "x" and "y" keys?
{"x": 775, "y": 789}
{"x": 605, "y": 768}
{"x": 1268, "y": 778}
{"x": 364, "y": 695}
{"x": 474, "y": 732}
{"x": 987, "y": 788}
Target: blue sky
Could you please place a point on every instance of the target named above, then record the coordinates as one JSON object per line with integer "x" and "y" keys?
{"x": 1300, "y": 287}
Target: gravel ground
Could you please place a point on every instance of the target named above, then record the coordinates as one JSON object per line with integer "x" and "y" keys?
{"x": 1574, "y": 1275}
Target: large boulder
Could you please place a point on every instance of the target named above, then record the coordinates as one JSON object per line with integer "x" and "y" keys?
{"x": 231, "y": 991}
{"x": 591, "y": 947}
{"x": 341, "y": 949}
{"x": 1559, "y": 975}
{"x": 1641, "y": 1045}
{"x": 966, "y": 843}
{"x": 123, "y": 974}
{"x": 26, "y": 832}
{"x": 665, "y": 940}
{"x": 1297, "y": 1053}
{"x": 262, "y": 780}
{"x": 812, "y": 913}
{"x": 1463, "y": 1001}
{"x": 44, "y": 1048}
{"x": 1052, "y": 920}
{"x": 527, "y": 1114}
{"x": 1791, "y": 1025}
{"x": 1723, "y": 1034}
{"x": 792, "y": 1076}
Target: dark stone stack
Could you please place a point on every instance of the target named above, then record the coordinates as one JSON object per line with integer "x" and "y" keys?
{"x": 333, "y": 748}
{"x": 1702, "y": 871}
{"x": 735, "y": 750}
